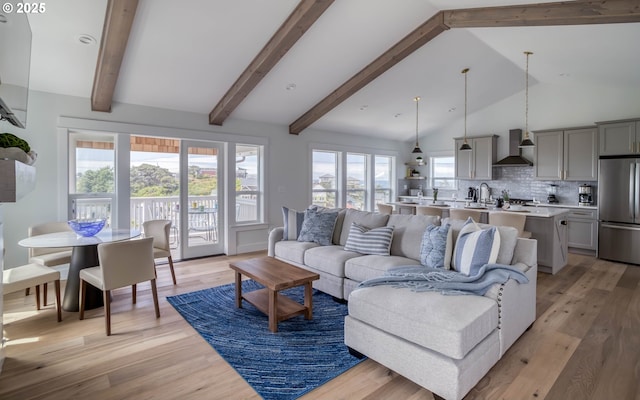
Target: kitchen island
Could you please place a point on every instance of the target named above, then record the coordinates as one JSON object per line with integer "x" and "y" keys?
{"x": 548, "y": 225}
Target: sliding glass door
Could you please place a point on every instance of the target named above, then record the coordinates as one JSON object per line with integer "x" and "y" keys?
{"x": 177, "y": 180}
{"x": 201, "y": 202}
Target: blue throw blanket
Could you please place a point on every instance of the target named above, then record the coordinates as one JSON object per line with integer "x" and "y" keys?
{"x": 421, "y": 279}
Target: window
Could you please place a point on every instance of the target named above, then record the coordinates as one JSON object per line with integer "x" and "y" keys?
{"x": 324, "y": 175}
{"x": 351, "y": 180}
{"x": 383, "y": 174}
{"x": 356, "y": 181}
{"x": 442, "y": 173}
{"x": 92, "y": 178}
{"x": 249, "y": 195}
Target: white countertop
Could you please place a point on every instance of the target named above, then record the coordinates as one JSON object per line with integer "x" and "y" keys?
{"x": 555, "y": 205}
{"x": 539, "y": 211}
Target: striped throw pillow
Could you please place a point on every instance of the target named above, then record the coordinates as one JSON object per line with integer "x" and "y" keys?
{"x": 369, "y": 241}
{"x": 475, "y": 247}
{"x": 292, "y": 220}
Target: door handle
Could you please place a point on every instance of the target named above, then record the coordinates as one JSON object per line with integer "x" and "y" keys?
{"x": 623, "y": 227}
{"x": 632, "y": 175}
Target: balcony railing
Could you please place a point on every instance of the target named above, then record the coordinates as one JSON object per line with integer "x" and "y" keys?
{"x": 148, "y": 208}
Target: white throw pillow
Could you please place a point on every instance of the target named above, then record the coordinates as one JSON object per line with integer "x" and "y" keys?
{"x": 475, "y": 247}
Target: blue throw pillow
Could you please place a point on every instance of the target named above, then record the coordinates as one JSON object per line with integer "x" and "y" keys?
{"x": 292, "y": 221}
{"x": 436, "y": 247}
{"x": 318, "y": 226}
{"x": 369, "y": 241}
{"x": 475, "y": 247}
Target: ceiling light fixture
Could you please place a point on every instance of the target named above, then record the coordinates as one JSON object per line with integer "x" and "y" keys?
{"x": 86, "y": 39}
{"x": 291, "y": 86}
{"x": 465, "y": 146}
{"x": 417, "y": 149}
{"x": 526, "y": 141}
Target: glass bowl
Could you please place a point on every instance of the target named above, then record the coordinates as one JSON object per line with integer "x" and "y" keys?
{"x": 87, "y": 227}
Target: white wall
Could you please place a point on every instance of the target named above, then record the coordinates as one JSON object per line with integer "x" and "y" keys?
{"x": 287, "y": 159}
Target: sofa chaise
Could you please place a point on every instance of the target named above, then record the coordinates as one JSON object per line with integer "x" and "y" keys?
{"x": 445, "y": 343}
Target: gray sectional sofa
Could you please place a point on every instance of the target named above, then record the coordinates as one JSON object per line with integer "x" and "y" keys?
{"x": 445, "y": 343}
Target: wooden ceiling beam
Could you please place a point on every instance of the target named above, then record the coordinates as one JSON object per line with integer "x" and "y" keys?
{"x": 299, "y": 21}
{"x": 563, "y": 13}
{"x": 115, "y": 34}
{"x": 407, "y": 45}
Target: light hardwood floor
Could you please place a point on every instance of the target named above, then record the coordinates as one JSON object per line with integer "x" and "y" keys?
{"x": 585, "y": 344}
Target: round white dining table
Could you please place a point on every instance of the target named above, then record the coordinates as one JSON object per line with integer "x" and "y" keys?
{"x": 84, "y": 254}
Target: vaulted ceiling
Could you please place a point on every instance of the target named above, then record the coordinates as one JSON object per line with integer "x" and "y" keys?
{"x": 345, "y": 66}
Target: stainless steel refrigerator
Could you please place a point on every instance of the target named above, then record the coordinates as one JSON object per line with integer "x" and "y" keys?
{"x": 619, "y": 209}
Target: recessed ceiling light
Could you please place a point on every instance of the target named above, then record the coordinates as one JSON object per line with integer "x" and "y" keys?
{"x": 3, "y": 19}
{"x": 452, "y": 109}
{"x": 397, "y": 115}
{"x": 86, "y": 39}
{"x": 291, "y": 86}
{"x": 363, "y": 107}
{"x": 564, "y": 74}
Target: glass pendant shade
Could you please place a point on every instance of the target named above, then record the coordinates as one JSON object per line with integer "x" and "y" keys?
{"x": 417, "y": 149}
{"x": 526, "y": 141}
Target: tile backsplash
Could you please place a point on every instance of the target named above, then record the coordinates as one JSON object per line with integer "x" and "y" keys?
{"x": 521, "y": 184}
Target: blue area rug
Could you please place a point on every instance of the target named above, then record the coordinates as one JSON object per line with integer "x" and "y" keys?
{"x": 301, "y": 356}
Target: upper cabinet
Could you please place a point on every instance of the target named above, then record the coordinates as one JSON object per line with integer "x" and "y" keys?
{"x": 619, "y": 137}
{"x": 477, "y": 163}
{"x": 566, "y": 154}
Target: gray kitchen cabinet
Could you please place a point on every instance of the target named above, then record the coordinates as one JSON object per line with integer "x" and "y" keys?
{"x": 619, "y": 137}
{"x": 548, "y": 155}
{"x": 477, "y": 163}
{"x": 566, "y": 154}
{"x": 583, "y": 229}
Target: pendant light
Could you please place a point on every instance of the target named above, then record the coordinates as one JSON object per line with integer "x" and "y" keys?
{"x": 465, "y": 146}
{"x": 526, "y": 141}
{"x": 417, "y": 149}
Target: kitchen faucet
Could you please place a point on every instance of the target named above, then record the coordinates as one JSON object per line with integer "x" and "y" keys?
{"x": 485, "y": 192}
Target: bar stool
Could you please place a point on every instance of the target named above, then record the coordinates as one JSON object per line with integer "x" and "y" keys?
{"x": 504, "y": 218}
{"x": 428, "y": 210}
{"x": 459, "y": 213}
{"x": 384, "y": 208}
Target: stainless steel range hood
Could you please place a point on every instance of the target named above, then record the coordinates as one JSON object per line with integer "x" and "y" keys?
{"x": 515, "y": 158}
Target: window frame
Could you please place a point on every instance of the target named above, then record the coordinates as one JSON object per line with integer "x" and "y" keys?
{"x": 259, "y": 192}
{"x": 341, "y": 190}
{"x": 432, "y": 174}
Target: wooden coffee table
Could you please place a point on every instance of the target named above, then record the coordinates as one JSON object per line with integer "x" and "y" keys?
{"x": 275, "y": 275}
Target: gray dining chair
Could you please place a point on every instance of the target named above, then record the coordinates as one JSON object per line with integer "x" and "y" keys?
{"x": 122, "y": 264}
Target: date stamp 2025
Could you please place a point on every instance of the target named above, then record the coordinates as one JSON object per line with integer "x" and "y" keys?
{"x": 24, "y": 8}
